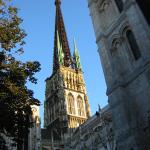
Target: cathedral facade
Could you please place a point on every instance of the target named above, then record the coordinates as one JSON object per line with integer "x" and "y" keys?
{"x": 123, "y": 38}
{"x": 66, "y": 104}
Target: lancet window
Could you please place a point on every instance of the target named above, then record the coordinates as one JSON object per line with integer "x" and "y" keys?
{"x": 80, "y": 106}
{"x": 71, "y": 104}
{"x": 119, "y": 4}
{"x": 133, "y": 44}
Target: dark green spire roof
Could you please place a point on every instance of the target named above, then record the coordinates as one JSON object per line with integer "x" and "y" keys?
{"x": 76, "y": 57}
{"x": 60, "y": 51}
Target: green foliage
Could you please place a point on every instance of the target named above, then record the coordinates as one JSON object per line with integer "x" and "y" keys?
{"x": 10, "y": 32}
{"x": 15, "y": 98}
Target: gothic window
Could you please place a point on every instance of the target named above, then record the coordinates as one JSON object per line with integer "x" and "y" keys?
{"x": 80, "y": 106}
{"x": 144, "y": 6}
{"x": 119, "y": 4}
{"x": 71, "y": 105}
{"x": 133, "y": 44}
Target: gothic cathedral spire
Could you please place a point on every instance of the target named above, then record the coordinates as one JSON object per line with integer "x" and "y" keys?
{"x": 66, "y": 103}
{"x": 61, "y": 32}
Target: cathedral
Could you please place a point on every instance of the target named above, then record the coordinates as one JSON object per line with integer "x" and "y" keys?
{"x": 122, "y": 30}
{"x": 66, "y": 104}
{"x": 123, "y": 38}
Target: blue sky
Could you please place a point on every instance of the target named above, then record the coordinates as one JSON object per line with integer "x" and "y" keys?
{"x": 39, "y": 20}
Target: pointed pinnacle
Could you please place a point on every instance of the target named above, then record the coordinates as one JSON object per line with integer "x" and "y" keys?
{"x": 75, "y": 47}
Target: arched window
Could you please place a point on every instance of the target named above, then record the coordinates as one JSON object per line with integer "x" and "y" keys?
{"x": 144, "y": 6}
{"x": 119, "y": 4}
{"x": 133, "y": 44}
{"x": 80, "y": 106}
{"x": 71, "y": 105}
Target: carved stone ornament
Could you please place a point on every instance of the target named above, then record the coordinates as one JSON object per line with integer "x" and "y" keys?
{"x": 112, "y": 50}
{"x": 115, "y": 43}
{"x": 103, "y": 5}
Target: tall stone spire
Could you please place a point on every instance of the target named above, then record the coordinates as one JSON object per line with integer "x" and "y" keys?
{"x": 61, "y": 32}
{"x": 66, "y": 103}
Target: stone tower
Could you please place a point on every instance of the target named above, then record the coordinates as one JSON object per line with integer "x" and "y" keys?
{"x": 123, "y": 37}
{"x": 66, "y": 104}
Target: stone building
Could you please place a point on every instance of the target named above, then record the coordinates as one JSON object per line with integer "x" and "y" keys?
{"x": 66, "y": 105}
{"x": 94, "y": 134}
{"x": 123, "y": 38}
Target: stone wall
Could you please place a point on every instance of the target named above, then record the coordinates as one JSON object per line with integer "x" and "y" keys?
{"x": 127, "y": 77}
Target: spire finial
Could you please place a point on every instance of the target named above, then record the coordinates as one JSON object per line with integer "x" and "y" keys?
{"x": 75, "y": 45}
{"x": 57, "y": 2}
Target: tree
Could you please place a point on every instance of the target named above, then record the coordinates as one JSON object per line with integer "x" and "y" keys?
{"x": 3, "y": 144}
{"x": 15, "y": 98}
